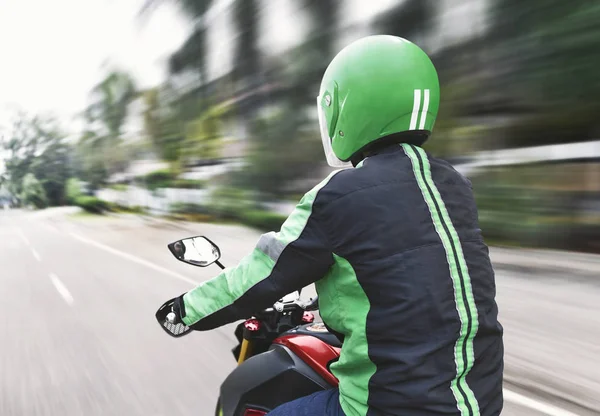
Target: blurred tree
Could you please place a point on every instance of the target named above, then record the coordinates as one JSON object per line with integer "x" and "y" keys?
{"x": 106, "y": 117}
{"x": 204, "y": 137}
{"x": 308, "y": 62}
{"x": 246, "y": 55}
{"x": 191, "y": 56}
{"x": 90, "y": 158}
{"x": 33, "y": 192}
{"x": 163, "y": 126}
{"x": 110, "y": 100}
{"x": 282, "y": 150}
{"x": 410, "y": 19}
{"x": 53, "y": 169}
{"x": 194, "y": 8}
{"x": 21, "y": 143}
{"x": 324, "y": 16}
{"x": 36, "y": 145}
{"x": 73, "y": 190}
{"x": 547, "y": 54}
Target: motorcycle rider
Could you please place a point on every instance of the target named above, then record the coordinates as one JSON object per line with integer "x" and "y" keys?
{"x": 393, "y": 246}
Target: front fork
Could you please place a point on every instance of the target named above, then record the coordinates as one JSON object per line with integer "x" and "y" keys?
{"x": 245, "y": 351}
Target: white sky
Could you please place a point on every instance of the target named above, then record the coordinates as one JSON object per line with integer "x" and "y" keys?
{"x": 52, "y": 51}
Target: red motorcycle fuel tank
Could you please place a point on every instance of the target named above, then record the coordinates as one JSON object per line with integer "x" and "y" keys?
{"x": 314, "y": 352}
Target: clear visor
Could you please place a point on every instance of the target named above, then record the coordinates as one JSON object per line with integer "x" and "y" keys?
{"x": 332, "y": 159}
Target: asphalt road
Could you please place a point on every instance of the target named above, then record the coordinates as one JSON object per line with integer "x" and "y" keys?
{"x": 78, "y": 297}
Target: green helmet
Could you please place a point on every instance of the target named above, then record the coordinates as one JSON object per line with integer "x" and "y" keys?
{"x": 376, "y": 87}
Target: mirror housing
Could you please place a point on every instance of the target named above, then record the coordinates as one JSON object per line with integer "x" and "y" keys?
{"x": 197, "y": 251}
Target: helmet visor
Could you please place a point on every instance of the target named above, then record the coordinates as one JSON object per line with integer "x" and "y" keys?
{"x": 332, "y": 159}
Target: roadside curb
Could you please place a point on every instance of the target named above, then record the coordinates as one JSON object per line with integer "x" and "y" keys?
{"x": 163, "y": 221}
{"x": 505, "y": 259}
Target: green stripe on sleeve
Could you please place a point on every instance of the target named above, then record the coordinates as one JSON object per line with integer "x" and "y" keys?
{"x": 231, "y": 284}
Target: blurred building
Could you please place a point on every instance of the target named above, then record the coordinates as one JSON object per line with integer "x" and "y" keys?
{"x": 286, "y": 27}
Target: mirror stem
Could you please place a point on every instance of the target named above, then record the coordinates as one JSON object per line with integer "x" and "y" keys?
{"x": 218, "y": 263}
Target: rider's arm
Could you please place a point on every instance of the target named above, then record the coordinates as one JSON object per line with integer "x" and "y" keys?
{"x": 296, "y": 256}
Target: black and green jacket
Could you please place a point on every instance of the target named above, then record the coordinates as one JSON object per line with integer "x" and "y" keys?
{"x": 402, "y": 272}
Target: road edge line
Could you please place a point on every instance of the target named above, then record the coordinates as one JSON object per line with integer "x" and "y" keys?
{"x": 61, "y": 289}
{"x": 135, "y": 259}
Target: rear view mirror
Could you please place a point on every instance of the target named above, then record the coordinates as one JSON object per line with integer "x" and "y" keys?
{"x": 197, "y": 251}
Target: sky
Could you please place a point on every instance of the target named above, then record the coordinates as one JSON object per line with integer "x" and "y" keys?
{"x": 53, "y": 52}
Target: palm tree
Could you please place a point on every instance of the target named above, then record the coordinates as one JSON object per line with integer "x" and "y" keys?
{"x": 192, "y": 54}
{"x": 246, "y": 55}
{"x": 324, "y": 14}
{"x": 110, "y": 101}
{"x": 410, "y": 19}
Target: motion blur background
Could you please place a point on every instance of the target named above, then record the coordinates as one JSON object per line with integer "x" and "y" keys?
{"x": 231, "y": 116}
{"x": 204, "y": 111}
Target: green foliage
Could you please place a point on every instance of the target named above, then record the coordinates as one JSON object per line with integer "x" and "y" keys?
{"x": 204, "y": 138}
{"x": 228, "y": 203}
{"x": 100, "y": 151}
{"x": 186, "y": 184}
{"x": 281, "y": 151}
{"x": 116, "y": 207}
{"x": 166, "y": 178}
{"x": 36, "y": 145}
{"x": 90, "y": 160}
{"x": 92, "y": 204}
{"x": 73, "y": 190}
{"x": 52, "y": 167}
{"x": 523, "y": 206}
{"x": 33, "y": 193}
{"x": 110, "y": 100}
{"x": 118, "y": 187}
{"x": 158, "y": 179}
{"x": 262, "y": 220}
{"x": 189, "y": 208}
{"x": 163, "y": 124}
{"x": 550, "y": 50}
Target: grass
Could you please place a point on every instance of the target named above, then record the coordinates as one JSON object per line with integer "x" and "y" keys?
{"x": 84, "y": 215}
{"x": 118, "y": 187}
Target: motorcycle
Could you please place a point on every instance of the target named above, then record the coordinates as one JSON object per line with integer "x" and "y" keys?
{"x": 282, "y": 353}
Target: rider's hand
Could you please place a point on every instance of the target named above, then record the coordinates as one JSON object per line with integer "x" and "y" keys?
{"x": 170, "y": 315}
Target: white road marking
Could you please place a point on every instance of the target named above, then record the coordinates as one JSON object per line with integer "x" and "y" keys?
{"x": 135, "y": 259}
{"x": 549, "y": 410}
{"x": 35, "y": 254}
{"x": 62, "y": 289}
{"x": 509, "y": 396}
{"x": 22, "y": 235}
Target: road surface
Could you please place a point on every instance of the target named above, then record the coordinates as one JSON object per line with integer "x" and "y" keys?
{"x": 79, "y": 338}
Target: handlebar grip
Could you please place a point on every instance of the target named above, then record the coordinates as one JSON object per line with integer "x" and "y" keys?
{"x": 170, "y": 322}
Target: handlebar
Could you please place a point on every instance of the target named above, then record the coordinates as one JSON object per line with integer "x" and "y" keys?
{"x": 311, "y": 305}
